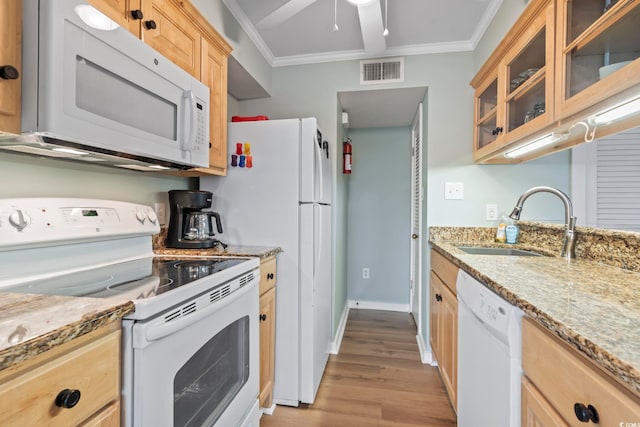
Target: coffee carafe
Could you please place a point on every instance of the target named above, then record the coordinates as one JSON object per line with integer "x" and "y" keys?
{"x": 191, "y": 227}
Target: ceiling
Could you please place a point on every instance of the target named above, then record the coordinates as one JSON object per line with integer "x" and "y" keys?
{"x": 291, "y": 32}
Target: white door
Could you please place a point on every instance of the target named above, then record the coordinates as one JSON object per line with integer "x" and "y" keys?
{"x": 416, "y": 216}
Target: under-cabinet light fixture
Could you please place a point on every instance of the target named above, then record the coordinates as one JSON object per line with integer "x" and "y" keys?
{"x": 94, "y": 18}
{"x": 615, "y": 113}
{"x": 536, "y": 144}
{"x": 71, "y": 151}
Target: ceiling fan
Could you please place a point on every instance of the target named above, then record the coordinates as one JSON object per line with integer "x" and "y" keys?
{"x": 369, "y": 13}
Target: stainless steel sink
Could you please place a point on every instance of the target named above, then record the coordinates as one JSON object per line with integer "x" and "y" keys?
{"x": 479, "y": 250}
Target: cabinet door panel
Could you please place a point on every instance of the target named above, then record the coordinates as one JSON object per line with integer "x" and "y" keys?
{"x": 267, "y": 346}
{"x": 214, "y": 75}
{"x": 10, "y": 54}
{"x": 173, "y": 36}
{"x": 536, "y": 411}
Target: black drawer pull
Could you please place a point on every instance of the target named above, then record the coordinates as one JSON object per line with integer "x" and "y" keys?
{"x": 270, "y": 276}
{"x": 137, "y": 14}
{"x": 68, "y": 398}
{"x": 263, "y": 317}
{"x": 586, "y": 413}
{"x": 150, "y": 25}
{"x": 8, "y": 72}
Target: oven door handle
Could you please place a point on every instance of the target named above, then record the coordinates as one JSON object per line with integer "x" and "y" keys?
{"x": 159, "y": 328}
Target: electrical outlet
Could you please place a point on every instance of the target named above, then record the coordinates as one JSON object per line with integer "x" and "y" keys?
{"x": 454, "y": 190}
{"x": 365, "y": 273}
{"x": 161, "y": 213}
{"x": 492, "y": 212}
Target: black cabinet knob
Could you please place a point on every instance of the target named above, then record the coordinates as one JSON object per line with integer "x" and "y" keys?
{"x": 9, "y": 72}
{"x": 137, "y": 14}
{"x": 270, "y": 276}
{"x": 263, "y": 317}
{"x": 68, "y": 398}
{"x": 150, "y": 25}
{"x": 586, "y": 413}
{"x": 438, "y": 297}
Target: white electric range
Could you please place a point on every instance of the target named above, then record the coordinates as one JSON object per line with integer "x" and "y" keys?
{"x": 190, "y": 348}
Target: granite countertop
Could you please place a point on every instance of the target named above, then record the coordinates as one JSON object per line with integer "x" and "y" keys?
{"x": 592, "y": 306}
{"x": 31, "y": 324}
{"x": 261, "y": 252}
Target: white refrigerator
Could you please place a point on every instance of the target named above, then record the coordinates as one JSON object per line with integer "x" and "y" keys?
{"x": 278, "y": 192}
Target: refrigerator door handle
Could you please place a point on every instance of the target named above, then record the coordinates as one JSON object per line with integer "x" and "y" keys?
{"x": 318, "y": 239}
{"x": 318, "y": 156}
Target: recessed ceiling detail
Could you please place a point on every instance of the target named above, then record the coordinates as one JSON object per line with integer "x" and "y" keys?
{"x": 291, "y": 32}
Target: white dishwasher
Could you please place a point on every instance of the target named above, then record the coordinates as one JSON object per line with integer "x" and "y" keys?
{"x": 489, "y": 357}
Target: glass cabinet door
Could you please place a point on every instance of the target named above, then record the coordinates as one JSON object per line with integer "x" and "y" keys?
{"x": 529, "y": 76}
{"x": 486, "y": 124}
{"x": 600, "y": 40}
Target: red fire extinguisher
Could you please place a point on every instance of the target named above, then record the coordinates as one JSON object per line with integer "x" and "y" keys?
{"x": 347, "y": 156}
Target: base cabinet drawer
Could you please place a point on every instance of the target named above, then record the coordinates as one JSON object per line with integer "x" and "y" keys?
{"x": 566, "y": 380}
{"x": 90, "y": 375}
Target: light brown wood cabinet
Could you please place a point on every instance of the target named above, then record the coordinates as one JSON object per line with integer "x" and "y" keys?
{"x": 557, "y": 378}
{"x": 10, "y": 65}
{"x": 267, "y": 330}
{"x": 89, "y": 364}
{"x": 560, "y": 47}
{"x": 177, "y": 30}
{"x": 514, "y": 90}
{"x": 443, "y": 309}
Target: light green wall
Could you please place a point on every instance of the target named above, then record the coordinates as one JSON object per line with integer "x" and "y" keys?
{"x": 25, "y": 176}
{"x": 379, "y": 220}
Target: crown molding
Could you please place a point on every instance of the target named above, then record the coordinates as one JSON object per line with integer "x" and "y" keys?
{"x": 485, "y": 21}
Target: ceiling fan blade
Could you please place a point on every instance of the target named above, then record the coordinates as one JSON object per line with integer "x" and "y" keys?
{"x": 372, "y": 27}
{"x": 283, "y": 13}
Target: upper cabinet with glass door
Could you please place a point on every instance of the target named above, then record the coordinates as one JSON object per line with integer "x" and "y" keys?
{"x": 514, "y": 90}
{"x": 598, "y": 47}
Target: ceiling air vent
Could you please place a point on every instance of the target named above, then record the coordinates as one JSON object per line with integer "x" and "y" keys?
{"x": 390, "y": 70}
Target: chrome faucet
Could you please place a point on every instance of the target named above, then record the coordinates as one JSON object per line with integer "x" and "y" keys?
{"x": 569, "y": 245}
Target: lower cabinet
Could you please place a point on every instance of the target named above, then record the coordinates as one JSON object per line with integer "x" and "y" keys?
{"x": 561, "y": 387}
{"x": 443, "y": 308}
{"x": 76, "y": 383}
{"x": 267, "y": 330}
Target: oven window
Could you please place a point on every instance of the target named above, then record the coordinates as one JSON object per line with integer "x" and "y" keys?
{"x": 212, "y": 377}
{"x": 110, "y": 96}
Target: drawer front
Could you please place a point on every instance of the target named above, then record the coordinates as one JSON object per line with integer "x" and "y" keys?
{"x": 93, "y": 369}
{"x": 267, "y": 274}
{"x": 108, "y": 417}
{"x": 445, "y": 269}
{"x": 566, "y": 378}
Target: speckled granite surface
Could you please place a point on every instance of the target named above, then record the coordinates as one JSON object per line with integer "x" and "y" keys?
{"x": 32, "y": 324}
{"x": 261, "y": 252}
{"x": 591, "y": 302}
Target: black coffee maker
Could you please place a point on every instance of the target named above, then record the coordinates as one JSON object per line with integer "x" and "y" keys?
{"x": 190, "y": 227}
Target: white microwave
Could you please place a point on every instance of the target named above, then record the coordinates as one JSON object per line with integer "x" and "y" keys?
{"x": 103, "y": 95}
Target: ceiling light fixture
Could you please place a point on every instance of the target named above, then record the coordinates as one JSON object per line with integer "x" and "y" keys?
{"x": 360, "y": 2}
{"x": 71, "y": 151}
{"x": 536, "y": 144}
{"x": 386, "y": 7}
{"x": 615, "y": 113}
{"x": 94, "y": 18}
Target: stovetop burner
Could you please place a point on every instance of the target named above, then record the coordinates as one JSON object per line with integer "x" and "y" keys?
{"x": 137, "y": 279}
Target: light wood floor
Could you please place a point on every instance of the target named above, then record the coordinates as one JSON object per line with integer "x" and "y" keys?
{"x": 376, "y": 380}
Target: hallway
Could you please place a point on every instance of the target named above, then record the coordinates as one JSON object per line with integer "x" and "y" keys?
{"x": 376, "y": 380}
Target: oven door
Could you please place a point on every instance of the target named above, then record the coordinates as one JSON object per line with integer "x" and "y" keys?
{"x": 194, "y": 366}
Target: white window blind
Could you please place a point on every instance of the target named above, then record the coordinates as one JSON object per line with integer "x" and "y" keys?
{"x": 617, "y": 169}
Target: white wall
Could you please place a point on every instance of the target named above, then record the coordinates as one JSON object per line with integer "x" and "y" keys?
{"x": 379, "y": 220}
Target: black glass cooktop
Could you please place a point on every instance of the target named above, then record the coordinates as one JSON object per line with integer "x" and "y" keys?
{"x": 137, "y": 279}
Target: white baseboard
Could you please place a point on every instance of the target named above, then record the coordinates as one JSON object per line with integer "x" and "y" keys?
{"x": 425, "y": 356}
{"x": 286, "y": 402}
{"x": 335, "y": 345}
{"x": 375, "y": 305}
{"x": 269, "y": 410}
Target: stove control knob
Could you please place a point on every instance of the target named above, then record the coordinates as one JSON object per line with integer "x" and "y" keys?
{"x": 152, "y": 217}
{"x": 19, "y": 220}
{"x": 140, "y": 216}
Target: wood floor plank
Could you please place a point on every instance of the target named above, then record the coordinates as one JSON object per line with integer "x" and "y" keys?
{"x": 377, "y": 380}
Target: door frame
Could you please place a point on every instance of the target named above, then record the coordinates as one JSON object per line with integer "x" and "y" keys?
{"x": 415, "y": 292}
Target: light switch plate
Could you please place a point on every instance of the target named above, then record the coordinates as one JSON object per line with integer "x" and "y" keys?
{"x": 454, "y": 190}
{"x": 492, "y": 212}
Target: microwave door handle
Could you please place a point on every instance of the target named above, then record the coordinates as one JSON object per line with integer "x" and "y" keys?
{"x": 187, "y": 143}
